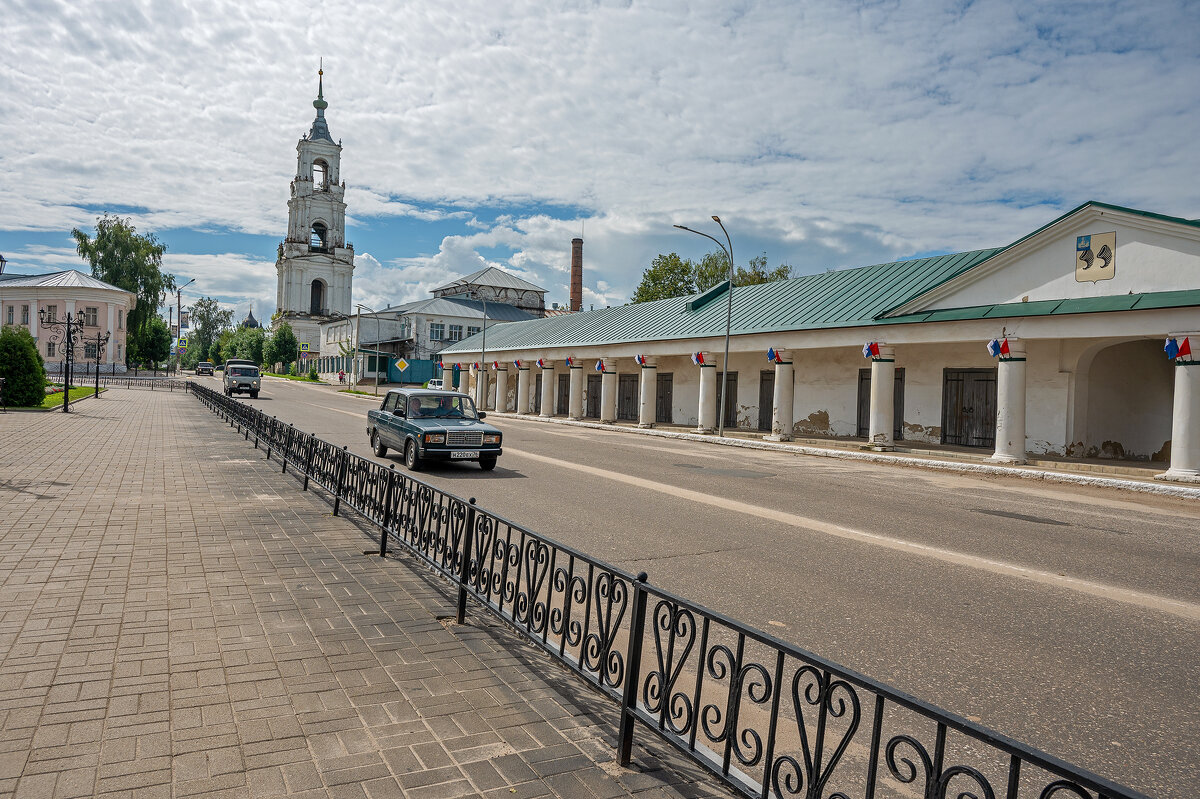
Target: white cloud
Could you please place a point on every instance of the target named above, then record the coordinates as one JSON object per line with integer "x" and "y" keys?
{"x": 829, "y": 134}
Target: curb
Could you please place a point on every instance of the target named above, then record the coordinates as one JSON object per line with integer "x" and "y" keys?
{"x": 1158, "y": 489}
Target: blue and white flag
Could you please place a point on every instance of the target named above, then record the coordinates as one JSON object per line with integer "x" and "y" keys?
{"x": 993, "y": 348}
{"x": 1171, "y": 348}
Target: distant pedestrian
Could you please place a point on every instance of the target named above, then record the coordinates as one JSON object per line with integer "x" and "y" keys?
{"x": 342, "y": 376}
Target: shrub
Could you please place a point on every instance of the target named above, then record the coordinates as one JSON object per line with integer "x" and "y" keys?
{"x": 313, "y": 375}
{"x": 292, "y": 370}
{"x": 22, "y": 368}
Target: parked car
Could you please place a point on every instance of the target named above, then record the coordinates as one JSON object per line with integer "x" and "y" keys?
{"x": 435, "y": 384}
{"x": 204, "y": 368}
{"x": 242, "y": 376}
{"x": 430, "y": 425}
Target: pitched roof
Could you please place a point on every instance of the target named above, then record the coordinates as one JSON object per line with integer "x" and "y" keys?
{"x": 491, "y": 276}
{"x": 461, "y": 306}
{"x": 839, "y": 298}
{"x": 69, "y": 278}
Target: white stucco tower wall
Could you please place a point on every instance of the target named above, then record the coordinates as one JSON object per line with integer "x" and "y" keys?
{"x": 315, "y": 264}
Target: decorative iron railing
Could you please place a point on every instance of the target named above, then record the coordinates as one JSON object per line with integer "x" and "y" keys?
{"x": 762, "y": 715}
{"x": 152, "y": 383}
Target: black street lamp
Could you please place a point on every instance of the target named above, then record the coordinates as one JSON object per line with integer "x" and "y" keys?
{"x": 71, "y": 328}
{"x": 101, "y": 343}
{"x": 728, "y": 314}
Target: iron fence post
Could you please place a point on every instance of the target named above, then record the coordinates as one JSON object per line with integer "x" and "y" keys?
{"x": 312, "y": 444}
{"x": 287, "y": 447}
{"x": 337, "y": 491}
{"x": 464, "y": 571}
{"x": 633, "y": 662}
{"x": 387, "y": 510}
{"x": 272, "y": 426}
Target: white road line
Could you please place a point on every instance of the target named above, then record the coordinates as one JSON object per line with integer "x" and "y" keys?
{"x": 1186, "y": 610}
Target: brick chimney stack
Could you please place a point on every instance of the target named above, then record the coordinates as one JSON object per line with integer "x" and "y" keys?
{"x": 576, "y": 274}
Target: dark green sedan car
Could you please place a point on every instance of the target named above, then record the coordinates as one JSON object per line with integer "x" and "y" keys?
{"x": 432, "y": 426}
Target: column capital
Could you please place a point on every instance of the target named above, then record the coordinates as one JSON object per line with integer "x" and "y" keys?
{"x": 649, "y": 362}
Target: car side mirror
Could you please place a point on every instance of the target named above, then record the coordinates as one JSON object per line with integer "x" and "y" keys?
{"x": 482, "y": 415}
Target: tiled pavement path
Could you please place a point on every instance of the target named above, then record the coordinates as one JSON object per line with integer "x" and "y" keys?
{"x": 179, "y": 619}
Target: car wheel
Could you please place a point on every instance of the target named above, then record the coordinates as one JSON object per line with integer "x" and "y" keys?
{"x": 378, "y": 446}
{"x": 411, "y": 459}
{"x": 487, "y": 464}
{"x": 253, "y": 395}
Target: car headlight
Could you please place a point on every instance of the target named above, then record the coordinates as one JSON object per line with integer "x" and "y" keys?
{"x": 435, "y": 438}
{"x": 491, "y": 438}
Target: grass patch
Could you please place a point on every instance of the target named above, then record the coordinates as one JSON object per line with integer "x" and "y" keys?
{"x": 78, "y": 392}
{"x": 355, "y": 391}
{"x": 302, "y": 378}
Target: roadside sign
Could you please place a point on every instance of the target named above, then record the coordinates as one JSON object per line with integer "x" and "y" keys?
{"x": 183, "y": 342}
{"x": 304, "y": 346}
{"x": 401, "y": 364}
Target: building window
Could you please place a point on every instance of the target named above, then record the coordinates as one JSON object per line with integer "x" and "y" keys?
{"x": 320, "y": 175}
{"x": 51, "y": 313}
{"x": 24, "y": 314}
{"x": 89, "y": 351}
{"x": 90, "y": 316}
{"x": 49, "y": 349}
{"x": 437, "y": 331}
{"x": 472, "y": 330}
{"x": 121, "y": 320}
{"x": 9, "y": 317}
{"x": 317, "y": 241}
{"x": 456, "y": 332}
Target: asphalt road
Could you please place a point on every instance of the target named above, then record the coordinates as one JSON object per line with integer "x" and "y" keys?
{"x": 1065, "y": 617}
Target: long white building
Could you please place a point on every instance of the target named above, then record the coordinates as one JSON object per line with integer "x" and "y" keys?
{"x": 1079, "y": 312}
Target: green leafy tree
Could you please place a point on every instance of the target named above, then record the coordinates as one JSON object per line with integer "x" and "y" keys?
{"x": 119, "y": 255}
{"x": 207, "y": 321}
{"x": 223, "y": 348}
{"x": 22, "y": 368}
{"x": 285, "y": 347}
{"x": 759, "y": 273}
{"x": 247, "y": 344}
{"x": 667, "y": 276}
{"x": 712, "y": 269}
{"x": 270, "y": 356}
{"x": 155, "y": 342}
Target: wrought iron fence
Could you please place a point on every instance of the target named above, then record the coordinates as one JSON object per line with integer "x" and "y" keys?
{"x": 762, "y": 715}
{"x": 152, "y": 383}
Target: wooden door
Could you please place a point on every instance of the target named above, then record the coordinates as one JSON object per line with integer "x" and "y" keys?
{"x": 563, "y": 395}
{"x": 766, "y": 398}
{"x": 627, "y": 397}
{"x": 537, "y": 392}
{"x": 664, "y": 401}
{"x": 592, "y": 411}
{"x": 730, "y": 398}
{"x": 969, "y": 407}
{"x": 864, "y": 405}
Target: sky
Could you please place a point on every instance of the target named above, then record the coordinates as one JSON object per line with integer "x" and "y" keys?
{"x": 824, "y": 134}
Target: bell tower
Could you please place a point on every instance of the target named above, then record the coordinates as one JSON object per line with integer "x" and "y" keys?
{"x": 315, "y": 264}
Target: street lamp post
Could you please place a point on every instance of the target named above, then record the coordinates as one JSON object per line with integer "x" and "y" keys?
{"x": 728, "y": 314}
{"x": 179, "y": 314}
{"x": 378, "y": 335}
{"x": 71, "y": 329}
{"x": 101, "y": 343}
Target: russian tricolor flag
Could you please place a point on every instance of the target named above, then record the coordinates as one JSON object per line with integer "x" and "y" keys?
{"x": 771, "y": 355}
{"x": 698, "y": 358}
{"x": 871, "y": 349}
{"x": 496, "y": 365}
{"x": 996, "y": 347}
{"x": 640, "y": 360}
{"x": 570, "y": 361}
{"x": 1177, "y": 349}
{"x": 517, "y": 363}
{"x": 600, "y": 366}
{"x": 541, "y": 363}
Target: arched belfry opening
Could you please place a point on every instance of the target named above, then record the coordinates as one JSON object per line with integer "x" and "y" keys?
{"x": 317, "y": 298}
{"x": 320, "y": 175}
{"x": 319, "y": 240}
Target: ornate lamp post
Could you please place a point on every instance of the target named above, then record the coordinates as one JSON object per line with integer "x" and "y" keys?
{"x": 71, "y": 328}
{"x": 101, "y": 343}
{"x": 728, "y": 314}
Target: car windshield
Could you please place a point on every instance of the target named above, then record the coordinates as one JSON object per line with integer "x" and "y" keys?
{"x": 441, "y": 406}
{"x": 243, "y": 371}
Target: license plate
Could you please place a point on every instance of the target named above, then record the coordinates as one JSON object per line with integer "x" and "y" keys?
{"x": 463, "y": 455}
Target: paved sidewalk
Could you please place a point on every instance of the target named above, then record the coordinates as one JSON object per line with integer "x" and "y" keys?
{"x": 178, "y": 619}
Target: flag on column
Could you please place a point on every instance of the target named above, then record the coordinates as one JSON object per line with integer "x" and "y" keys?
{"x": 457, "y": 367}
{"x": 1171, "y": 348}
{"x": 698, "y": 358}
{"x": 495, "y": 366}
{"x": 517, "y": 363}
{"x": 541, "y": 363}
{"x": 1185, "y": 348}
{"x": 600, "y": 366}
{"x": 1004, "y": 347}
{"x": 439, "y": 364}
{"x": 771, "y": 356}
{"x": 640, "y": 360}
{"x": 570, "y": 361}
{"x": 993, "y": 348}
{"x": 871, "y": 349}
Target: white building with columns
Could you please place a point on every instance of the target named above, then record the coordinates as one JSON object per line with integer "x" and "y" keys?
{"x": 315, "y": 263}
{"x": 1078, "y": 309}
{"x": 102, "y": 307}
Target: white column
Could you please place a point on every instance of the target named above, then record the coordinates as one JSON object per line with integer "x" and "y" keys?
{"x": 783, "y": 398}
{"x": 524, "y": 378}
{"x": 707, "y": 414}
{"x": 883, "y": 399}
{"x": 647, "y": 393}
{"x": 548, "y": 390}
{"x": 1010, "y": 405}
{"x": 481, "y": 386}
{"x": 500, "y": 393}
{"x": 608, "y": 393}
{"x": 575, "y": 403}
{"x": 1185, "y": 422}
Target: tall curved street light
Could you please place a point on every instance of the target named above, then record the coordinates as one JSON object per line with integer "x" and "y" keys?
{"x": 179, "y": 319}
{"x": 378, "y": 336}
{"x": 728, "y": 315}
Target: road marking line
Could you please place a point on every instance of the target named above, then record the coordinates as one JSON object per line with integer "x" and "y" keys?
{"x": 1186, "y": 610}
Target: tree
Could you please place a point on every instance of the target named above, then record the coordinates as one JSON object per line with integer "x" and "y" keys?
{"x": 155, "y": 343}
{"x": 207, "y": 320}
{"x": 247, "y": 344}
{"x": 284, "y": 347}
{"x": 128, "y": 260}
{"x": 22, "y": 368}
{"x": 667, "y": 276}
{"x": 671, "y": 276}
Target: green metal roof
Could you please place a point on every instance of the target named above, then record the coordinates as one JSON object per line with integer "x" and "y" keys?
{"x": 1008, "y": 310}
{"x": 839, "y": 298}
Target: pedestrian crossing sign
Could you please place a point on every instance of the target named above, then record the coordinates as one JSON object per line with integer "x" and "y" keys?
{"x": 183, "y": 342}
{"x": 304, "y": 346}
